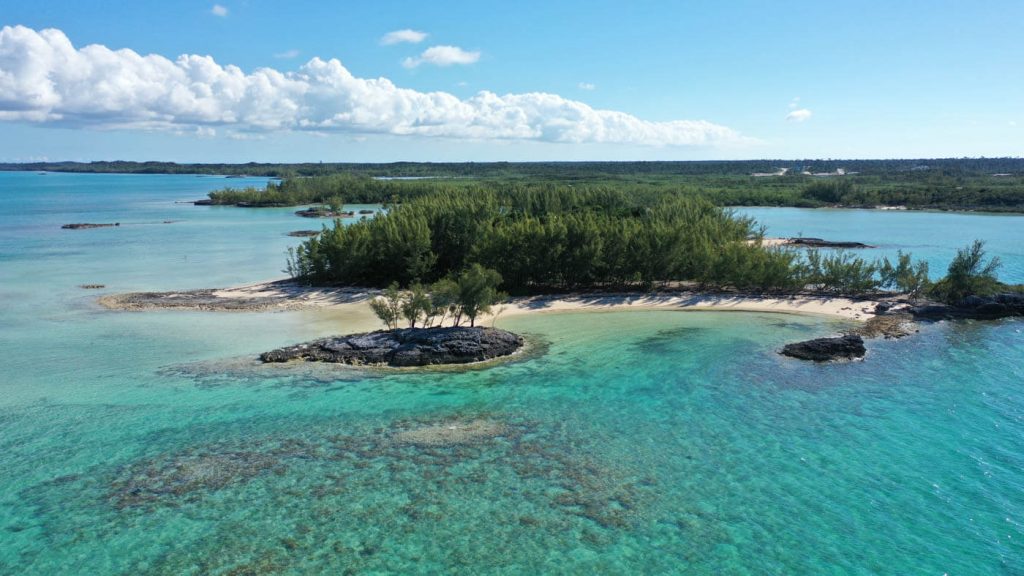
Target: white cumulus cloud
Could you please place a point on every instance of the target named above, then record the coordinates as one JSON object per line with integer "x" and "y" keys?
{"x": 399, "y": 36}
{"x": 45, "y": 79}
{"x": 799, "y": 115}
{"x": 443, "y": 56}
{"x": 219, "y": 10}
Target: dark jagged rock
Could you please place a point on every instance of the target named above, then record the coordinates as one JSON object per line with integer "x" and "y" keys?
{"x": 405, "y": 347}
{"x": 819, "y": 243}
{"x": 827, "y": 349}
{"x": 203, "y": 202}
{"x": 303, "y": 233}
{"x": 976, "y": 307}
{"x": 86, "y": 225}
{"x": 92, "y": 286}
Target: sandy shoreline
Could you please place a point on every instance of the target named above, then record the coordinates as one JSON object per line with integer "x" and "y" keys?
{"x": 348, "y": 306}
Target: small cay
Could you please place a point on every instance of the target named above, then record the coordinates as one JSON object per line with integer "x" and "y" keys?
{"x": 820, "y": 243}
{"x": 320, "y": 212}
{"x": 87, "y": 225}
{"x": 405, "y": 347}
{"x": 846, "y": 347}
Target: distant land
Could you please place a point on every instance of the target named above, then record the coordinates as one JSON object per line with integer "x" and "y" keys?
{"x": 1005, "y": 167}
{"x": 971, "y": 184}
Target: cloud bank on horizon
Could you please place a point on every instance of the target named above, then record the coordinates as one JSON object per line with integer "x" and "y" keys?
{"x": 44, "y": 79}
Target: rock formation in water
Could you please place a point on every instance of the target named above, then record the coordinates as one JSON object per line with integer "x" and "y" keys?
{"x": 86, "y": 225}
{"x": 845, "y": 347}
{"x": 323, "y": 213}
{"x": 405, "y": 347}
{"x": 819, "y": 243}
{"x": 977, "y": 307}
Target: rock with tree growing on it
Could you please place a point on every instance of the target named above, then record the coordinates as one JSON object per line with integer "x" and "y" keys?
{"x": 426, "y": 341}
{"x": 971, "y": 289}
{"x": 405, "y": 347}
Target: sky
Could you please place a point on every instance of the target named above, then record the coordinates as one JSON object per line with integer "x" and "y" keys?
{"x": 384, "y": 81}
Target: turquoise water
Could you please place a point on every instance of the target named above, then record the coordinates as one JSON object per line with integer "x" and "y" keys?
{"x": 631, "y": 443}
{"x": 931, "y": 236}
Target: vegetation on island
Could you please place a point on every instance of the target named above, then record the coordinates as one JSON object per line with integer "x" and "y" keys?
{"x": 464, "y": 297}
{"x": 556, "y": 240}
{"x": 559, "y": 240}
{"x": 990, "y": 184}
{"x": 970, "y": 274}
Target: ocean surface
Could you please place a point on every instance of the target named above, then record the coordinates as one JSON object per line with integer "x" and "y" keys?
{"x": 626, "y": 443}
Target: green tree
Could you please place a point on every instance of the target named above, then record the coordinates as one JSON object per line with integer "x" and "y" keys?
{"x": 417, "y": 305}
{"x": 444, "y": 298}
{"x": 968, "y": 275}
{"x": 388, "y": 307}
{"x": 335, "y": 204}
{"x": 478, "y": 291}
{"x": 905, "y": 276}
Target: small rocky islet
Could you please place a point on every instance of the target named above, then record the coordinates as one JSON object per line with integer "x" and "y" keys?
{"x": 821, "y": 243}
{"x": 895, "y": 321}
{"x": 324, "y": 213}
{"x": 406, "y": 347}
{"x": 89, "y": 225}
{"x": 847, "y": 347}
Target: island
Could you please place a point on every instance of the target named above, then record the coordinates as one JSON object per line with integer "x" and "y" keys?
{"x": 405, "y": 347}
{"x": 451, "y": 255}
{"x": 321, "y": 212}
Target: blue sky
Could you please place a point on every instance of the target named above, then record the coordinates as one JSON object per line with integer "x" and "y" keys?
{"x": 571, "y": 80}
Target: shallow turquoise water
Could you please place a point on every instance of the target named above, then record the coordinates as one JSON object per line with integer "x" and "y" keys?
{"x": 931, "y": 236}
{"x": 632, "y": 442}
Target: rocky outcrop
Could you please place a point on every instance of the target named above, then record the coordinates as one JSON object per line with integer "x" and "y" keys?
{"x": 977, "y": 307}
{"x": 86, "y": 225}
{"x": 207, "y": 300}
{"x": 303, "y": 233}
{"x": 846, "y": 347}
{"x": 323, "y": 213}
{"x": 405, "y": 347}
{"x": 819, "y": 243}
{"x": 888, "y": 325}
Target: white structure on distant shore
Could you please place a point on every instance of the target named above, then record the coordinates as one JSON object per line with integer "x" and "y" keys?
{"x": 838, "y": 172}
{"x": 781, "y": 172}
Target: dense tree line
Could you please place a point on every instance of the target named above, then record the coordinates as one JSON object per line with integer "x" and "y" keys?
{"x": 558, "y": 239}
